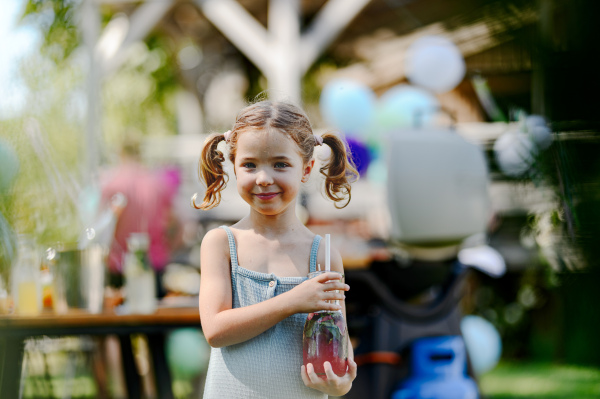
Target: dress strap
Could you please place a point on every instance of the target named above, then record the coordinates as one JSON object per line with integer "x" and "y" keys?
{"x": 313, "y": 253}
{"x": 232, "y": 247}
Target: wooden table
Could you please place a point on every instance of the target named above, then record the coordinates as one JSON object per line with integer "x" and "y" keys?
{"x": 14, "y": 330}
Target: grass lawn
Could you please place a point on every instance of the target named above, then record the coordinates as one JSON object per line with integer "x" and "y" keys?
{"x": 540, "y": 381}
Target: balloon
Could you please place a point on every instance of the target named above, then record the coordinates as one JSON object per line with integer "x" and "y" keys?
{"x": 187, "y": 352}
{"x": 435, "y": 63}
{"x": 405, "y": 106}
{"x": 9, "y": 165}
{"x": 348, "y": 105}
{"x": 360, "y": 154}
{"x": 514, "y": 153}
{"x": 483, "y": 343}
{"x": 377, "y": 172}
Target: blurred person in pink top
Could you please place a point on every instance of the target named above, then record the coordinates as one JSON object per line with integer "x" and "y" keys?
{"x": 149, "y": 200}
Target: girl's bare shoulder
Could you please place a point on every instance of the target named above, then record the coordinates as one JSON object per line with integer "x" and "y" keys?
{"x": 215, "y": 239}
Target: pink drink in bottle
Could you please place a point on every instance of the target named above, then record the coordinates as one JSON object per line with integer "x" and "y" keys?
{"x": 325, "y": 338}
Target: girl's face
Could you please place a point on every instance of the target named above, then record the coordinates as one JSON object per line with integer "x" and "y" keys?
{"x": 269, "y": 170}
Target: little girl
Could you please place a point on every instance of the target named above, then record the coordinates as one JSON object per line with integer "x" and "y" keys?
{"x": 254, "y": 295}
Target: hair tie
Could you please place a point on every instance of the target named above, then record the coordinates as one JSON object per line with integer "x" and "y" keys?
{"x": 318, "y": 140}
{"x": 227, "y": 135}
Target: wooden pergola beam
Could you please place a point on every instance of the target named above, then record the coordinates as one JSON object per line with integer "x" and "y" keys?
{"x": 383, "y": 60}
{"x": 331, "y": 20}
{"x": 282, "y": 53}
{"x": 241, "y": 28}
{"x": 141, "y": 22}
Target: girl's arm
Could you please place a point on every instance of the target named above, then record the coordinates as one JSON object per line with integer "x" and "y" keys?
{"x": 224, "y": 326}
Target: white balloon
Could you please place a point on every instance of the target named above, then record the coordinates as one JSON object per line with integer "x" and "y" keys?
{"x": 435, "y": 63}
{"x": 514, "y": 153}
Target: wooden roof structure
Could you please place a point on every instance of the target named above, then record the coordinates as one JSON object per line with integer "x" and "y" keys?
{"x": 489, "y": 33}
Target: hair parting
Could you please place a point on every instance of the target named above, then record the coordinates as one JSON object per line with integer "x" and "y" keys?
{"x": 211, "y": 172}
{"x": 339, "y": 172}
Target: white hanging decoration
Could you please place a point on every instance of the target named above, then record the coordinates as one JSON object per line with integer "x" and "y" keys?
{"x": 539, "y": 131}
{"x": 514, "y": 152}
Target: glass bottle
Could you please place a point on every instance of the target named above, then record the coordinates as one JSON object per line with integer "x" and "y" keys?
{"x": 103, "y": 228}
{"x": 140, "y": 283}
{"x": 47, "y": 282}
{"x": 325, "y": 338}
{"x": 94, "y": 245}
{"x": 25, "y": 278}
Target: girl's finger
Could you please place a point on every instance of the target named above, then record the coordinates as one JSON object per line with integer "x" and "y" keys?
{"x": 336, "y": 286}
{"x": 330, "y": 306}
{"x": 331, "y": 376}
{"x": 304, "y": 376}
{"x": 352, "y": 368}
{"x": 328, "y": 276}
{"x": 335, "y": 296}
{"x": 312, "y": 376}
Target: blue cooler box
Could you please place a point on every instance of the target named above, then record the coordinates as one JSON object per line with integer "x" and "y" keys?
{"x": 438, "y": 371}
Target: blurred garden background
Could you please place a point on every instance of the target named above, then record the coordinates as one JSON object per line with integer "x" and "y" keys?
{"x": 82, "y": 79}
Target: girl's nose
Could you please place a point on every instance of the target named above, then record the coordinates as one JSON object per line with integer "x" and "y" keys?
{"x": 263, "y": 178}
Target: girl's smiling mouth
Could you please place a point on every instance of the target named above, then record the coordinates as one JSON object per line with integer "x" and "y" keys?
{"x": 266, "y": 196}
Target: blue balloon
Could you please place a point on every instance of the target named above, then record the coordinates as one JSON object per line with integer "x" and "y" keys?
{"x": 347, "y": 105}
{"x": 483, "y": 343}
{"x": 405, "y": 106}
{"x": 377, "y": 172}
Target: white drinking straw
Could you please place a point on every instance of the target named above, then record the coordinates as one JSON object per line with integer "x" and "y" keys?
{"x": 327, "y": 252}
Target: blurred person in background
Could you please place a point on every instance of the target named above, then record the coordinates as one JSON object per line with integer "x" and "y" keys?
{"x": 149, "y": 196}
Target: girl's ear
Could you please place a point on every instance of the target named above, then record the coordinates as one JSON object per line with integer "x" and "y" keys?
{"x": 307, "y": 168}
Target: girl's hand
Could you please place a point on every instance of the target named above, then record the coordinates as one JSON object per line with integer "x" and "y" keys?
{"x": 333, "y": 385}
{"x": 313, "y": 295}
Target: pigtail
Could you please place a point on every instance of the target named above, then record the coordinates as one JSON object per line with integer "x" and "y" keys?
{"x": 339, "y": 172}
{"x": 210, "y": 171}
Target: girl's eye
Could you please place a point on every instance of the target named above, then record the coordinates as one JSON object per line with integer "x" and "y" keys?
{"x": 279, "y": 165}
{"x": 249, "y": 165}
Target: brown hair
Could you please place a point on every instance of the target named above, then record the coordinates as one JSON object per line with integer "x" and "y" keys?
{"x": 339, "y": 172}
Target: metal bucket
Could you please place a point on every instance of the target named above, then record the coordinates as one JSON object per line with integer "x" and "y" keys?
{"x": 80, "y": 277}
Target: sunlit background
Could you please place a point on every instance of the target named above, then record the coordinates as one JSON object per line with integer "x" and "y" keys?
{"x": 473, "y": 123}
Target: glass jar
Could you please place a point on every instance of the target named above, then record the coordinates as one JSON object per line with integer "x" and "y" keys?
{"x": 25, "y": 276}
{"x": 140, "y": 281}
{"x": 325, "y": 338}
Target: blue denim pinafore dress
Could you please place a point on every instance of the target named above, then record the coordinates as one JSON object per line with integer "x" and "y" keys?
{"x": 268, "y": 365}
